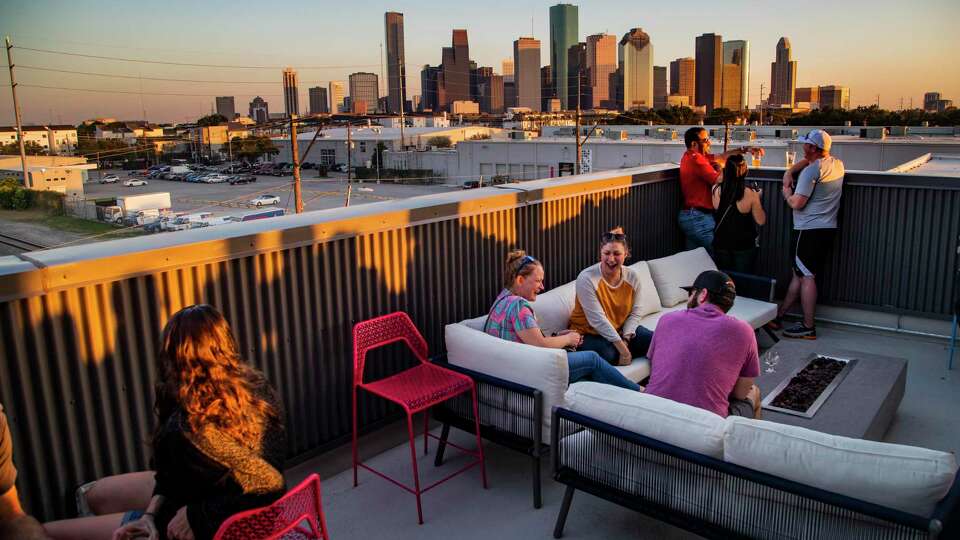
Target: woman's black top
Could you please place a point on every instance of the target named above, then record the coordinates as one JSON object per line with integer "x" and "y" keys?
{"x": 215, "y": 476}
{"x": 737, "y": 231}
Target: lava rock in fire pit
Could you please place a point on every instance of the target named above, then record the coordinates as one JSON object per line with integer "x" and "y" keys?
{"x": 805, "y": 387}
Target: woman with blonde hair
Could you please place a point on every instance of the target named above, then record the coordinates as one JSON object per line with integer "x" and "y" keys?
{"x": 218, "y": 446}
{"x": 608, "y": 306}
{"x": 511, "y": 317}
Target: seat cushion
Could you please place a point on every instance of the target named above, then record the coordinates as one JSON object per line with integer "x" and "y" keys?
{"x": 903, "y": 477}
{"x": 553, "y": 308}
{"x": 649, "y": 299}
{"x": 662, "y": 419}
{"x": 678, "y": 270}
{"x": 650, "y": 321}
{"x": 637, "y": 371}
{"x": 754, "y": 312}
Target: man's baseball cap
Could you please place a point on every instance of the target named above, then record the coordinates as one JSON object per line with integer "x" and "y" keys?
{"x": 713, "y": 281}
{"x": 819, "y": 138}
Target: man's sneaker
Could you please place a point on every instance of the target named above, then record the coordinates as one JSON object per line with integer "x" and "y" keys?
{"x": 799, "y": 331}
{"x": 775, "y": 324}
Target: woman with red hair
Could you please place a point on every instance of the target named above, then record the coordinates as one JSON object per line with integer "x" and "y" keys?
{"x": 218, "y": 446}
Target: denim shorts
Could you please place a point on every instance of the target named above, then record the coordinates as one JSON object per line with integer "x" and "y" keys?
{"x": 131, "y": 516}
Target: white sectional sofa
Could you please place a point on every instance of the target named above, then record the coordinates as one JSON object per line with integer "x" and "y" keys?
{"x": 739, "y": 477}
{"x": 518, "y": 385}
{"x": 546, "y": 369}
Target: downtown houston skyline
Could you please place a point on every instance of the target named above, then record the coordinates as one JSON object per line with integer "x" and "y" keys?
{"x": 324, "y": 45}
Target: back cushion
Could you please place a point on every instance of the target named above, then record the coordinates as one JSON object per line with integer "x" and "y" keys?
{"x": 649, "y": 299}
{"x": 903, "y": 477}
{"x": 655, "y": 417}
{"x": 553, "y": 308}
{"x": 678, "y": 270}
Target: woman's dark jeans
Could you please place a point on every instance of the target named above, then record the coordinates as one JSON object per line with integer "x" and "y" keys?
{"x": 638, "y": 345}
{"x": 744, "y": 260}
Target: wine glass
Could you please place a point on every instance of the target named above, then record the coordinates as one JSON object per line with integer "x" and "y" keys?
{"x": 771, "y": 359}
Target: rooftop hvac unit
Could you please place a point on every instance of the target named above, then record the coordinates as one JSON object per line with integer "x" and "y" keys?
{"x": 743, "y": 135}
{"x": 616, "y": 135}
{"x": 716, "y": 133}
{"x": 521, "y": 135}
{"x": 786, "y": 134}
{"x": 873, "y": 133}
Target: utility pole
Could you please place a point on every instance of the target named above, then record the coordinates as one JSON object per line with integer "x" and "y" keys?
{"x": 346, "y": 201}
{"x": 295, "y": 152}
{"x": 577, "y": 124}
{"x": 761, "y": 104}
{"x": 16, "y": 112}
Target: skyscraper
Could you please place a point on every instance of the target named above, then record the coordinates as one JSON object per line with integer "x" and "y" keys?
{"x": 564, "y": 33}
{"x": 601, "y": 62}
{"x": 318, "y": 100}
{"x": 683, "y": 78}
{"x": 456, "y": 70}
{"x": 259, "y": 110}
{"x": 506, "y": 68}
{"x": 526, "y": 72}
{"x": 737, "y": 52}
{"x": 489, "y": 91}
{"x": 365, "y": 87}
{"x": 431, "y": 88}
{"x": 659, "y": 87}
{"x": 709, "y": 70}
{"x": 636, "y": 65}
{"x": 547, "y": 91}
{"x": 834, "y": 97}
{"x": 577, "y": 69}
{"x": 336, "y": 96}
{"x": 809, "y": 94}
{"x": 396, "y": 68}
{"x": 783, "y": 76}
{"x": 291, "y": 98}
{"x": 730, "y": 87}
{"x": 226, "y": 108}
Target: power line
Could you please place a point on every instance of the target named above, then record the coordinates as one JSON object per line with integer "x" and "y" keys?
{"x": 111, "y": 75}
{"x": 129, "y": 91}
{"x": 184, "y": 64}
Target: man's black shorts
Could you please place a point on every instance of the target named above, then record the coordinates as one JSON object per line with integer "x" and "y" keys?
{"x": 811, "y": 248}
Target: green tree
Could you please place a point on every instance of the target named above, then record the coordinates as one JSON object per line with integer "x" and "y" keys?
{"x": 440, "y": 142}
{"x": 212, "y": 120}
{"x": 30, "y": 148}
{"x": 252, "y": 148}
{"x": 721, "y": 115}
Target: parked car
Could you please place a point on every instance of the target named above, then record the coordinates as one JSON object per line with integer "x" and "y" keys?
{"x": 265, "y": 199}
{"x": 307, "y": 165}
{"x": 242, "y": 179}
{"x": 134, "y": 182}
{"x": 216, "y": 178}
{"x": 471, "y": 184}
{"x": 110, "y": 179}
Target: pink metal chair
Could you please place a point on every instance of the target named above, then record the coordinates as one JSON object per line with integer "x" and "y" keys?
{"x": 283, "y": 519}
{"x": 415, "y": 389}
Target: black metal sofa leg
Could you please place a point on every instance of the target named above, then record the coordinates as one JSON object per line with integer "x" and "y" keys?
{"x": 564, "y": 509}
{"x": 444, "y": 433}
{"x": 537, "y": 500}
{"x": 772, "y": 335}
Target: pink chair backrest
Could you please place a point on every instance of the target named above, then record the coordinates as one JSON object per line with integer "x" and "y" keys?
{"x": 300, "y": 504}
{"x": 382, "y": 331}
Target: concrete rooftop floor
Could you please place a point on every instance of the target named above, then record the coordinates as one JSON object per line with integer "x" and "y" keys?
{"x": 460, "y": 509}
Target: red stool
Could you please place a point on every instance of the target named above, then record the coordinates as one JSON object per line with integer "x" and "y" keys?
{"x": 282, "y": 519}
{"x": 416, "y": 390}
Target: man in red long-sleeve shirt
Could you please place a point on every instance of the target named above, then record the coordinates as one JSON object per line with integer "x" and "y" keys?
{"x": 699, "y": 171}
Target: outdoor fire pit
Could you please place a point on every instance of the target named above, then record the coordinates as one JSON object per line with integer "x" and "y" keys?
{"x": 809, "y": 386}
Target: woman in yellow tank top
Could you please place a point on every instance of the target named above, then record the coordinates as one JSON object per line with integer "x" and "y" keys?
{"x": 607, "y": 310}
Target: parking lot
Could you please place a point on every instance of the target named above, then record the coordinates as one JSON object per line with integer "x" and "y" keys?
{"x": 234, "y": 200}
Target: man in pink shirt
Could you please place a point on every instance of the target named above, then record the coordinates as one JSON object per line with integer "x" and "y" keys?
{"x": 703, "y": 357}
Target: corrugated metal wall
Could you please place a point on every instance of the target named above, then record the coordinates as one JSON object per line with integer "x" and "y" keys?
{"x": 78, "y": 360}
{"x": 896, "y": 249}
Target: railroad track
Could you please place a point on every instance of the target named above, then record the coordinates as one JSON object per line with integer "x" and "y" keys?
{"x": 19, "y": 243}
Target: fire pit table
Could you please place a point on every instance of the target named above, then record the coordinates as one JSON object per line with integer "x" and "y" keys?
{"x": 859, "y": 402}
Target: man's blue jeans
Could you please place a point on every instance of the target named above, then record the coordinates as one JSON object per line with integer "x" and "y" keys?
{"x": 587, "y": 365}
{"x": 698, "y": 227}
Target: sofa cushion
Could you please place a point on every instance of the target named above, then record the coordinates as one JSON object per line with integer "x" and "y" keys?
{"x": 545, "y": 369}
{"x": 637, "y": 371}
{"x": 650, "y": 321}
{"x": 649, "y": 299}
{"x": 553, "y": 308}
{"x": 754, "y": 312}
{"x": 662, "y": 419}
{"x": 903, "y": 477}
{"x": 678, "y": 270}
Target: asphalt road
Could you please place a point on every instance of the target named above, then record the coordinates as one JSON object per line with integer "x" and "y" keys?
{"x": 224, "y": 199}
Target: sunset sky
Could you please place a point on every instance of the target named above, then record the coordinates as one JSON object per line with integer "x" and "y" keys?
{"x": 891, "y": 48}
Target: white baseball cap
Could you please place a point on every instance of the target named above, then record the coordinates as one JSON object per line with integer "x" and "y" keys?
{"x": 819, "y": 138}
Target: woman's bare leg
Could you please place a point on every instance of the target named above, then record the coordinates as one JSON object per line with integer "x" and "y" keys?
{"x": 121, "y": 493}
{"x": 87, "y": 528}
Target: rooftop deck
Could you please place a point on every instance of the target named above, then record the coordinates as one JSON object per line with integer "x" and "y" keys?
{"x": 460, "y": 509}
